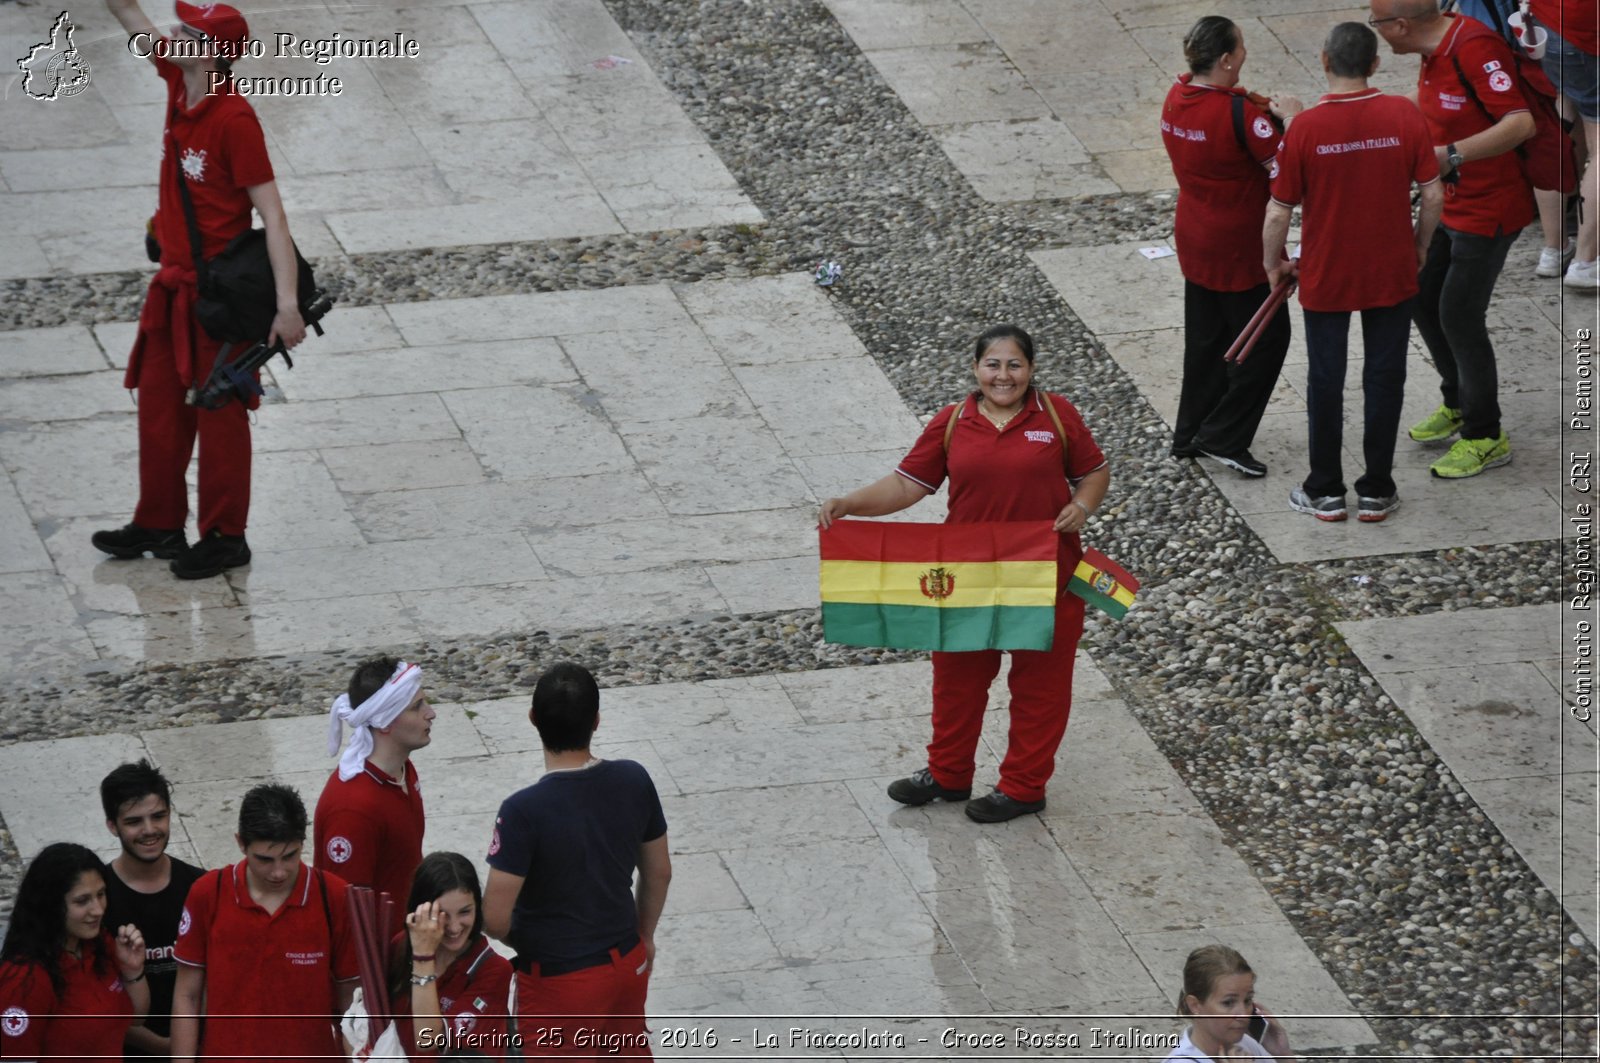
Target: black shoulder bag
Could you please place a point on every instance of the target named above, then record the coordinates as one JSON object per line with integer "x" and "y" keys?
{"x": 238, "y": 295}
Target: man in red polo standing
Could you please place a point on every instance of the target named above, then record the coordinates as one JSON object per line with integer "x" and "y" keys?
{"x": 1349, "y": 163}
{"x": 265, "y": 951}
{"x": 1468, "y": 92}
{"x": 369, "y": 821}
{"x": 213, "y": 144}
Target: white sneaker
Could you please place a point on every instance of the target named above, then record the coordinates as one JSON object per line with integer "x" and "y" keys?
{"x": 1582, "y": 275}
{"x": 1553, "y": 260}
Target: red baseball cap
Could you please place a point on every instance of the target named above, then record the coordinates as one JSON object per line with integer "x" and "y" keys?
{"x": 217, "y": 22}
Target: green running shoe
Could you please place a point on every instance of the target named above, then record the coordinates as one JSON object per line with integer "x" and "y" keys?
{"x": 1469, "y": 457}
{"x": 1441, "y": 424}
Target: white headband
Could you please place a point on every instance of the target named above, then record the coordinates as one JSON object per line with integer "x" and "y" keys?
{"x": 380, "y": 710}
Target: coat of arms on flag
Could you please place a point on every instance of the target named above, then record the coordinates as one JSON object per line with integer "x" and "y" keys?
{"x": 1104, "y": 584}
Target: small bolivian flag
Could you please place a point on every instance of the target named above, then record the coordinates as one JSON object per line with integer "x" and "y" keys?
{"x": 951, "y": 587}
{"x": 1104, "y": 584}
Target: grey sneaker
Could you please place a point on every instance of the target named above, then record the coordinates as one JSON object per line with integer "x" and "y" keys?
{"x": 1328, "y": 507}
{"x": 920, "y": 787}
{"x": 1371, "y": 510}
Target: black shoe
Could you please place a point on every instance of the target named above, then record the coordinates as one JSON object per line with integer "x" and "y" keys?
{"x": 997, "y": 808}
{"x": 1184, "y": 452}
{"x": 1242, "y": 463}
{"x": 920, "y": 788}
{"x": 211, "y": 555}
{"x": 131, "y": 541}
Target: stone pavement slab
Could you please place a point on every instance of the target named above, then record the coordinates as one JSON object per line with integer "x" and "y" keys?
{"x": 448, "y": 463}
{"x": 1468, "y": 682}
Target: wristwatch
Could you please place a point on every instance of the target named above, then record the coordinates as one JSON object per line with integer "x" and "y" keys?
{"x": 1453, "y": 157}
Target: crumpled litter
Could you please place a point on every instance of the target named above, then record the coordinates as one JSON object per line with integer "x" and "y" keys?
{"x": 828, "y": 274}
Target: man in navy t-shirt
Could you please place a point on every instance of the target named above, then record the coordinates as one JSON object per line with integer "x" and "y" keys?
{"x": 560, "y": 892}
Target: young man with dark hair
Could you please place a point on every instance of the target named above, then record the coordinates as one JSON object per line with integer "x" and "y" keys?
{"x": 560, "y": 892}
{"x": 1349, "y": 163}
{"x": 265, "y": 950}
{"x": 369, "y": 820}
{"x": 146, "y": 887}
{"x": 214, "y": 148}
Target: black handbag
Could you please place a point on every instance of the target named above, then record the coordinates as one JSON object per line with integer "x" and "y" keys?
{"x": 238, "y": 295}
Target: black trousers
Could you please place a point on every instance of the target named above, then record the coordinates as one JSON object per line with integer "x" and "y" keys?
{"x": 1457, "y": 282}
{"x": 1221, "y": 405}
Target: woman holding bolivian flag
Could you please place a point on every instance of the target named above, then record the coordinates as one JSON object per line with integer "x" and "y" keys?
{"x": 1012, "y": 454}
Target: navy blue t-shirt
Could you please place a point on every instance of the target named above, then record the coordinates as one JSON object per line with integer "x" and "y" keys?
{"x": 574, "y": 838}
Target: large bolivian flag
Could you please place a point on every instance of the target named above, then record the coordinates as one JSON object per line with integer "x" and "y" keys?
{"x": 946, "y": 587}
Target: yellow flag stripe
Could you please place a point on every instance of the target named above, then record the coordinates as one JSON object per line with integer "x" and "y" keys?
{"x": 975, "y": 583}
{"x": 1087, "y": 572}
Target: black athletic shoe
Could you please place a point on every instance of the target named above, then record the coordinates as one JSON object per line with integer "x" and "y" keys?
{"x": 997, "y": 808}
{"x": 131, "y": 541}
{"x": 920, "y": 788}
{"x": 1185, "y": 452}
{"x": 211, "y": 556}
{"x": 1243, "y": 463}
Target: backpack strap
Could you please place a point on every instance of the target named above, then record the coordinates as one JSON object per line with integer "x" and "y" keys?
{"x": 1461, "y": 76}
{"x": 950, "y": 425}
{"x": 327, "y": 912}
{"x": 1049, "y": 407}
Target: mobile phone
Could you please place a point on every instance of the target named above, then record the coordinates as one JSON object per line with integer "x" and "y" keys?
{"x": 1258, "y": 1025}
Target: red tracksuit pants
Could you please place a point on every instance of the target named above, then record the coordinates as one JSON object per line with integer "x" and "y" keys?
{"x": 167, "y": 431}
{"x": 596, "y": 1013}
{"x": 1041, "y": 700}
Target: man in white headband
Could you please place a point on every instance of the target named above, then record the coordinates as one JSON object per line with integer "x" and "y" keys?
{"x": 368, "y": 824}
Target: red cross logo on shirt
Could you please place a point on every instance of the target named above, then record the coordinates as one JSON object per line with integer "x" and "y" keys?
{"x": 340, "y": 849}
{"x": 14, "y": 1021}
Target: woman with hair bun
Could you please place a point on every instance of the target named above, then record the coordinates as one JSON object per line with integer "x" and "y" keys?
{"x": 1222, "y": 142}
{"x": 69, "y": 987}
{"x": 1219, "y": 994}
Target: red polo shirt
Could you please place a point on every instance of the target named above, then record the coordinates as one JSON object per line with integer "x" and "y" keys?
{"x": 1008, "y": 474}
{"x": 271, "y": 975}
{"x": 86, "y": 1021}
{"x": 368, "y": 831}
{"x": 1222, "y": 186}
{"x": 1350, "y": 160}
{"x": 223, "y": 152}
{"x": 474, "y": 997}
{"x": 1575, "y": 21}
{"x": 1493, "y": 196}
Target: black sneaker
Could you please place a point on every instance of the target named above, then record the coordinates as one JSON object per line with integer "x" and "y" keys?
{"x": 920, "y": 788}
{"x": 131, "y": 541}
{"x": 1370, "y": 510}
{"x": 1243, "y": 463}
{"x": 1184, "y": 451}
{"x": 211, "y": 555}
{"x": 997, "y": 808}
